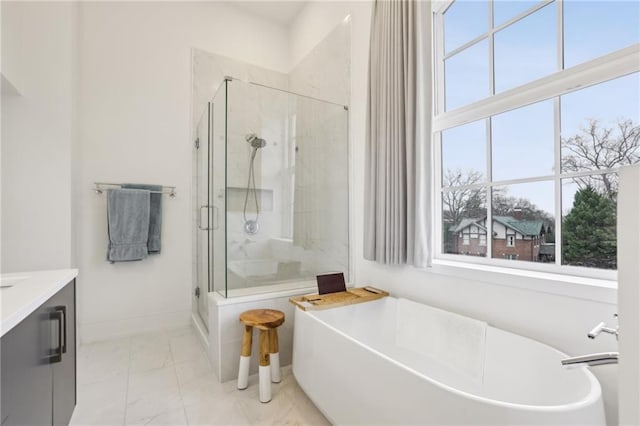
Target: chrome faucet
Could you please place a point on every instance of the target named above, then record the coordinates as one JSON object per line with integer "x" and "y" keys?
{"x": 602, "y": 328}
{"x": 591, "y": 360}
{"x": 595, "y": 359}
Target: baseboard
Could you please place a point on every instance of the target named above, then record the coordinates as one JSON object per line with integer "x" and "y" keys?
{"x": 123, "y": 327}
{"x": 202, "y": 332}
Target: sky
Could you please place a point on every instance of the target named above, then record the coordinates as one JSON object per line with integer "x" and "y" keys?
{"x": 525, "y": 51}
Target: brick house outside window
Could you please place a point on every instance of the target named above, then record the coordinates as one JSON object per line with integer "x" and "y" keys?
{"x": 513, "y": 239}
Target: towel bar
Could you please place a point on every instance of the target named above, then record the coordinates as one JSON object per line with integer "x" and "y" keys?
{"x": 168, "y": 190}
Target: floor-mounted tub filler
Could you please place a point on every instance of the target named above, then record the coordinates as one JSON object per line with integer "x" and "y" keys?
{"x": 393, "y": 361}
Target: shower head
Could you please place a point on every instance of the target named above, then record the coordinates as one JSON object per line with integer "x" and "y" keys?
{"x": 255, "y": 141}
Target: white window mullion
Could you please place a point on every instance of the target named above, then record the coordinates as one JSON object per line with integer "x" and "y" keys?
{"x": 522, "y": 15}
{"x": 492, "y": 79}
{"x": 437, "y": 165}
{"x": 439, "y": 61}
{"x": 560, "y": 32}
{"x": 605, "y": 68}
{"x": 557, "y": 129}
{"x": 489, "y": 192}
{"x": 488, "y": 188}
{"x": 465, "y": 46}
{"x": 557, "y": 166}
{"x": 567, "y": 175}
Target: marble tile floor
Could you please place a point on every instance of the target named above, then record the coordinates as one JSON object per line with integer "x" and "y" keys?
{"x": 165, "y": 378}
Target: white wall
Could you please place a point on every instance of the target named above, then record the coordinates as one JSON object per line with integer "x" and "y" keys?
{"x": 557, "y": 320}
{"x": 314, "y": 22}
{"x": 629, "y": 276}
{"x": 135, "y": 101}
{"x": 38, "y": 56}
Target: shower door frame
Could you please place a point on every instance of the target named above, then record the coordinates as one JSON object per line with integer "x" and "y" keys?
{"x": 203, "y": 280}
{"x": 215, "y": 204}
{"x": 217, "y": 259}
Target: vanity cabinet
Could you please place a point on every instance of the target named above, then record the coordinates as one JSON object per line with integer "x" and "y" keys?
{"x": 38, "y": 364}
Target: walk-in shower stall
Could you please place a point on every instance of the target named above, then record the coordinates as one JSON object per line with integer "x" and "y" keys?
{"x": 272, "y": 191}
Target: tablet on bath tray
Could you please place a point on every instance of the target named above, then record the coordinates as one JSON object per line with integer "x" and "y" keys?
{"x": 331, "y": 283}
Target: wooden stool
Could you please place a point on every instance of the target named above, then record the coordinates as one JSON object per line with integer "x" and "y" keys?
{"x": 267, "y": 321}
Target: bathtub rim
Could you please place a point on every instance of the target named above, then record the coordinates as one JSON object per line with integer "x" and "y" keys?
{"x": 595, "y": 390}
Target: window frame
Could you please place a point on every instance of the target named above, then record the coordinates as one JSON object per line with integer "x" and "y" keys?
{"x": 614, "y": 65}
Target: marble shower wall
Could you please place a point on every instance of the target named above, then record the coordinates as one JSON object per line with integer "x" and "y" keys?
{"x": 321, "y": 214}
{"x": 320, "y": 220}
{"x": 263, "y": 111}
{"x": 325, "y": 72}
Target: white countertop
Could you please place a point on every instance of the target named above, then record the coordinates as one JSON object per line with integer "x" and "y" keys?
{"x": 28, "y": 291}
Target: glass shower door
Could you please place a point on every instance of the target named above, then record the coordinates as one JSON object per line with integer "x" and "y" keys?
{"x": 287, "y": 189}
{"x": 211, "y": 203}
{"x": 203, "y": 216}
{"x": 218, "y": 193}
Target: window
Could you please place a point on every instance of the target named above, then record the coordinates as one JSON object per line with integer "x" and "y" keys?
{"x": 534, "y": 114}
{"x": 516, "y": 61}
{"x": 465, "y": 239}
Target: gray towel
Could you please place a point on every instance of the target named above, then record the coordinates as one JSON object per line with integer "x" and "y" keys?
{"x": 155, "y": 215}
{"x": 128, "y": 219}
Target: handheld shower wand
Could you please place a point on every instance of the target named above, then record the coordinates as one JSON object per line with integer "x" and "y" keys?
{"x": 255, "y": 141}
{"x": 251, "y": 225}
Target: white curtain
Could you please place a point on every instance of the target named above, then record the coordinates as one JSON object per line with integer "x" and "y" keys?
{"x": 397, "y": 169}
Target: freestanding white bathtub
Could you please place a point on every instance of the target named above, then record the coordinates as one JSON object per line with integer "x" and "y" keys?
{"x": 349, "y": 363}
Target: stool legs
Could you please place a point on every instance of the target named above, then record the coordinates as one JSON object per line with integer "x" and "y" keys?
{"x": 266, "y": 321}
{"x": 264, "y": 370}
{"x": 274, "y": 355}
{"x": 245, "y": 358}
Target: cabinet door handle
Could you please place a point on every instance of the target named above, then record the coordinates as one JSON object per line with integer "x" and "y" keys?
{"x": 55, "y": 354}
{"x": 63, "y": 313}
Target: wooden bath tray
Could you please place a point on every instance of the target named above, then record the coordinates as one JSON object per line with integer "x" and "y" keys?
{"x": 316, "y": 302}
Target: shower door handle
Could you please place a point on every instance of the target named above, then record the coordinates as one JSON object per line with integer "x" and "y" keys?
{"x": 200, "y": 218}
{"x": 216, "y": 214}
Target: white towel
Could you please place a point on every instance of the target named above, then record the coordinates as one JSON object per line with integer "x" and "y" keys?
{"x": 451, "y": 339}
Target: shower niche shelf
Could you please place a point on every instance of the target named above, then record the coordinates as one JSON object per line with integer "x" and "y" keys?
{"x": 236, "y": 196}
